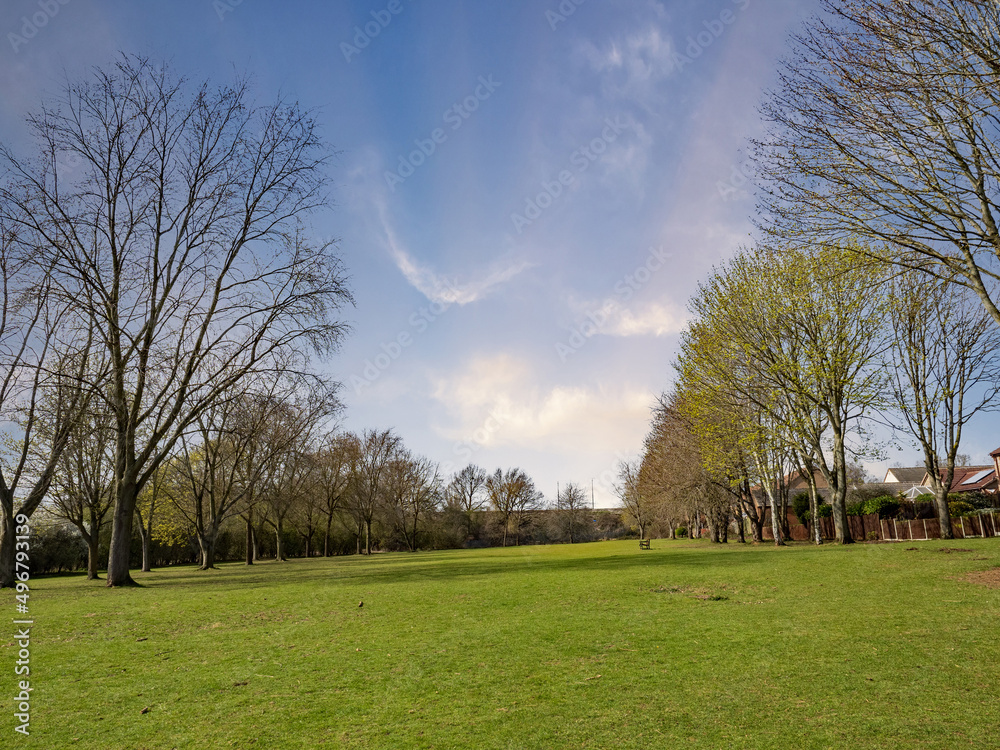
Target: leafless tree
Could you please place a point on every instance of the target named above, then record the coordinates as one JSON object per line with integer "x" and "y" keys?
{"x": 290, "y": 478}
{"x": 335, "y": 458}
{"x": 512, "y": 494}
{"x": 412, "y": 492}
{"x": 178, "y": 234}
{"x": 369, "y": 478}
{"x": 638, "y": 507}
{"x": 571, "y": 506}
{"x": 945, "y": 367}
{"x": 465, "y": 493}
{"x": 44, "y": 358}
{"x": 883, "y": 129}
{"x": 82, "y": 490}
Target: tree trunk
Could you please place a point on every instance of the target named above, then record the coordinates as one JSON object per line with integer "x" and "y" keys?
{"x": 144, "y": 537}
{"x": 779, "y": 540}
{"x": 92, "y": 540}
{"x": 7, "y": 535}
{"x": 326, "y": 539}
{"x": 941, "y": 506}
{"x": 249, "y": 557}
{"x": 206, "y": 541}
{"x": 121, "y": 535}
{"x": 368, "y": 537}
{"x": 279, "y": 538}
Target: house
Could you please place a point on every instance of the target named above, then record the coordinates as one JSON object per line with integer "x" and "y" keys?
{"x": 911, "y": 475}
{"x": 966, "y": 479}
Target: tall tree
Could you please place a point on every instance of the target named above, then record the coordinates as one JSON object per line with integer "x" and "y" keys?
{"x": 465, "y": 494}
{"x": 797, "y": 336}
{"x": 369, "y": 478}
{"x": 335, "y": 458}
{"x": 638, "y": 506}
{"x": 45, "y": 361}
{"x": 413, "y": 491}
{"x": 512, "y": 494}
{"x": 945, "y": 365}
{"x": 177, "y": 233}
{"x": 883, "y": 129}
{"x": 571, "y": 506}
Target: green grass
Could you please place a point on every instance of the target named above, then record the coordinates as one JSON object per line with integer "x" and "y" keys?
{"x": 586, "y": 646}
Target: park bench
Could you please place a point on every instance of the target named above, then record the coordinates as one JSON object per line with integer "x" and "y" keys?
{"x": 643, "y": 544}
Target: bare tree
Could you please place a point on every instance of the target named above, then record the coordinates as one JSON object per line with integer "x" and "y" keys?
{"x": 883, "y": 130}
{"x": 465, "y": 493}
{"x": 82, "y": 490}
{"x": 44, "y": 357}
{"x": 638, "y": 507}
{"x": 571, "y": 506}
{"x": 290, "y": 478}
{"x": 512, "y": 494}
{"x": 412, "y": 492}
{"x": 335, "y": 458}
{"x": 369, "y": 478}
{"x": 946, "y": 369}
{"x": 177, "y": 234}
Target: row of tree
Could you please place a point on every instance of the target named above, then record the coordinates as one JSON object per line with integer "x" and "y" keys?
{"x": 266, "y": 464}
{"x": 871, "y": 294}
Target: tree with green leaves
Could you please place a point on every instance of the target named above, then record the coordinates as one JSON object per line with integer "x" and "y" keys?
{"x": 794, "y": 339}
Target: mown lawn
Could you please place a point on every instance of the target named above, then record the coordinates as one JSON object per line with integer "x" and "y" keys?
{"x": 585, "y": 646}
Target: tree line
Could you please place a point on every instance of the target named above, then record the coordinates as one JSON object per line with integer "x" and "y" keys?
{"x": 164, "y": 309}
{"x": 869, "y": 296}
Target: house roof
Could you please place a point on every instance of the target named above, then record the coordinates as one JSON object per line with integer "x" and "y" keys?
{"x": 913, "y": 474}
{"x": 973, "y": 478}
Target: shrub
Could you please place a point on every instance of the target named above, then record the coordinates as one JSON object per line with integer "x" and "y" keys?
{"x": 855, "y": 509}
{"x": 824, "y": 510}
{"x": 872, "y": 536}
{"x": 884, "y": 506}
{"x": 958, "y": 508}
{"x": 800, "y": 506}
{"x": 55, "y": 549}
{"x": 979, "y": 500}
{"x": 681, "y": 532}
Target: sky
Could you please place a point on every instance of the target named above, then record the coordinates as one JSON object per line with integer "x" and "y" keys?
{"x": 525, "y": 193}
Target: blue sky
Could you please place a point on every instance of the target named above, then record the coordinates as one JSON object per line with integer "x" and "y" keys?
{"x": 525, "y": 196}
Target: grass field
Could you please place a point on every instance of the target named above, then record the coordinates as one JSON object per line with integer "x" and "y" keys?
{"x": 584, "y": 646}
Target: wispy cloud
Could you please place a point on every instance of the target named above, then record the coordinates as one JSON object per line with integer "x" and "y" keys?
{"x": 446, "y": 290}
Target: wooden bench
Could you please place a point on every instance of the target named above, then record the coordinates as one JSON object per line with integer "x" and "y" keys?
{"x": 643, "y": 544}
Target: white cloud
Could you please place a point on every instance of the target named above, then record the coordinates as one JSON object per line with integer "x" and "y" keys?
{"x": 612, "y": 318}
{"x": 503, "y": 392}
{"x": 633, "y": 64}
{"x": 438, "y": 288}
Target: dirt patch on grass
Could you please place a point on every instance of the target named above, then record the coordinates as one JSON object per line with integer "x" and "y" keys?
{"x": 988, "y": 578}
{"x": 949, "y": 550}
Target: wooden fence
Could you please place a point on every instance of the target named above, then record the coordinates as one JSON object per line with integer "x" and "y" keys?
{"x": 866, "y": 528}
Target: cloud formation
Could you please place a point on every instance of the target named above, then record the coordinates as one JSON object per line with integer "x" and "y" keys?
{"x": 444, "y": 289}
